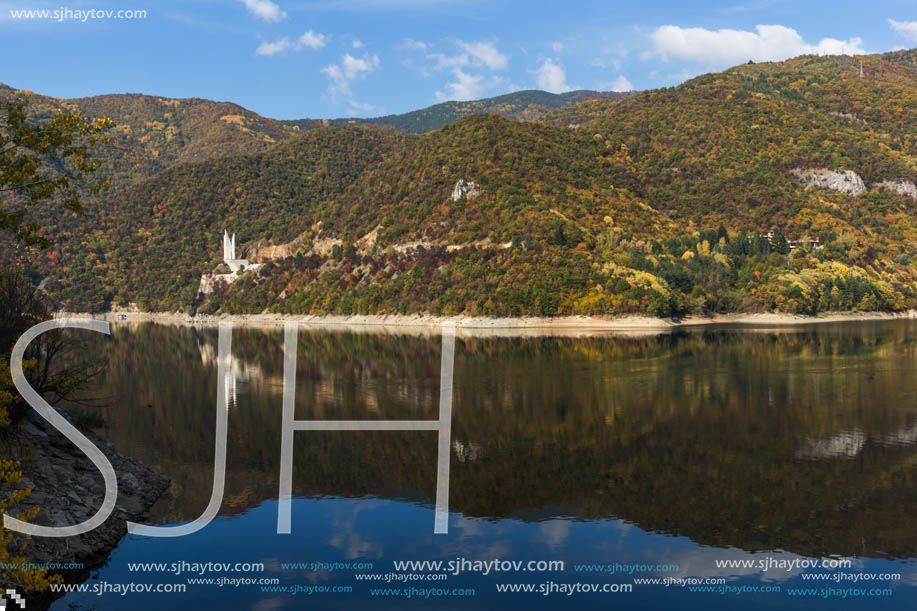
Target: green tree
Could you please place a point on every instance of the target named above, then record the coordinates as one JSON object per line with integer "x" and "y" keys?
{"x": 779, "y": 244}
{"x": 47, "y": 161}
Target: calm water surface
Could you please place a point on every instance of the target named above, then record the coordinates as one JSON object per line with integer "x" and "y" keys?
{"x": 684, "y": 449}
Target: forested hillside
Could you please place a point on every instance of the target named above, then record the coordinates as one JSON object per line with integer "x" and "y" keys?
{"x": 154, "y": 132}
{"x": 768, "y": 187}
{"x": 521, "y": 105}
{"x": 150, "y": 242}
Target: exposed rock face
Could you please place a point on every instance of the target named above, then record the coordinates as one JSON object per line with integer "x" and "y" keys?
{"x": 209, "y": 282}
{"x": 903, "y": 187}
{"x": 847, "y": 182}
{"x": 465, "y": 188}
{"x": 847, "y": 115}
{"x": 325, "y": 246}
{"x": 366, "y": 243}
{"x": 69, "y": 489}
{"x": 265, "y": 250}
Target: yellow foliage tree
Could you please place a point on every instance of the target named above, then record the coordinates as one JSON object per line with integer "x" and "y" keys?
{"x": 16, "y": 571}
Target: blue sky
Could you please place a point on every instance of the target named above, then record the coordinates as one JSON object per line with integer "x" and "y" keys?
{"x": 333, "y": 58}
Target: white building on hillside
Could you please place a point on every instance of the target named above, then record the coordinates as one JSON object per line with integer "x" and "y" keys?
{"x": 229, "y": 253}
{"x": 209, "y": 280}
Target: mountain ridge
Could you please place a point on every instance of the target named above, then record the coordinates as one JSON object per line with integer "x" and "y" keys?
{"x": 528, "y": 105}
{"x": 680, "y": 200}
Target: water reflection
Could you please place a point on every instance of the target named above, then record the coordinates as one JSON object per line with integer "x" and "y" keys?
{"x": 801, "y": 440}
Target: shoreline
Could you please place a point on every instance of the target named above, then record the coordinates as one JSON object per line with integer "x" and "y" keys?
{"x": 503, "y": 326}
{"x": 67, "y": 489}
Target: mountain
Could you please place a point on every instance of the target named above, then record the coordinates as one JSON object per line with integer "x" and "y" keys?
{"x": 529, "y": 105}
{"x": 788, "y": 186}
{"x": 150, "y": 241}
{"x": 154, "y": 132}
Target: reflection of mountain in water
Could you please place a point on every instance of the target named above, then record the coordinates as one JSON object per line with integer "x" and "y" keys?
{"x": 803, "y": 441}
{"x": 849, "y": 444}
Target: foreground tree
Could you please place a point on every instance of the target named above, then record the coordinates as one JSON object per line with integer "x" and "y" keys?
{"x": 39, "y": 163}
{"x": 44, "y": 162}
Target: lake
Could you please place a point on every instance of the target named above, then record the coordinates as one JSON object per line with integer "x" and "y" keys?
{"x": 697, "y": 458}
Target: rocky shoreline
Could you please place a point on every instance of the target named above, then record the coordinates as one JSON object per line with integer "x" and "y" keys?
{"x": 68, "y": 489}
{"x": 480, "y": 326}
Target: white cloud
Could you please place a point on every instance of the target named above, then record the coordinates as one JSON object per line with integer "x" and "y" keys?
{"x": 309, "y": 39}
{"x": 357, "y": 44}
{"x": 360, "y": 108}
{"x": 906, "y": 28}
{"x": 409, "y": 44}
{"x": 449, "y": 61}
{"x": 272, "y": 48}
{"x": 467, "y": 84}
{"x": 767, "y": 43}
{"x": 343, "y": 74}
{"x": 621, "y": 84}
{"x": 606, "y": 62}
{"x": 354, "y": 66}
{"x": 485, "y": 53}
{"x": 265, "y": 9}
{"x": 465, "y": 87}
{"x": 312, "y": 40}
{"x": 415, "y": 61}
{"x": 611, "y": 57}
{"x": 477, "y": 54}
{"x": 557, "y": 46}
{"x": 551, "y": 77}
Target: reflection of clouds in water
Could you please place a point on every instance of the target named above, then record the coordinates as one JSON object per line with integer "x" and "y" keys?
{"x": 908, "y": 576}
{"x": 624, "y": 530}
{"x": 466, "y": 539}
{"x": 271, "y": 565}
{"x": 348, "y": 540}
{"x": 468, "y": 528}
{"x": 498, "y": 549}
{"x": 270, "y": 604}
{"x": 318, "y": 575}
{"x": 701, "y": 562}
{"x": 553, "y": 533}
